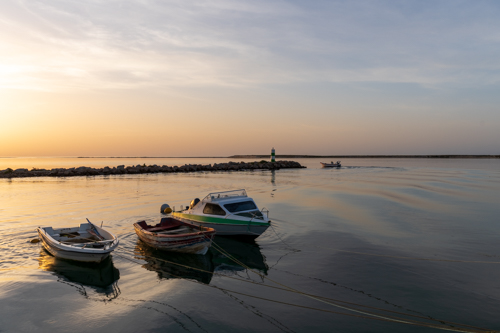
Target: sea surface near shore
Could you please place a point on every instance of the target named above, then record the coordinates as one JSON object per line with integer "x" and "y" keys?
{"x": 415, "y": 236}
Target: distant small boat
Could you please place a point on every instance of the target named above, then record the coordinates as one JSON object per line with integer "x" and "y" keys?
{"x": 172, "y": 234}
{"x": 86, "y": 243}
{"x": 331, "y": 165}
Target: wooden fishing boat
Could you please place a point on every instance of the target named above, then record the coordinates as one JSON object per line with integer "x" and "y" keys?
{"x": 172, "y": 234}
{"x": 230, "y": 213}
{"x": 331, "y": 165}
{"x": 86, "y": 243}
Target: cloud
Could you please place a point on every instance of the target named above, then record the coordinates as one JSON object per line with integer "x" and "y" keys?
{"x": 65, "y": 45}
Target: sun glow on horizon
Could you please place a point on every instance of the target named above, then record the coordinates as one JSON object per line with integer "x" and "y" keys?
{"x": 218, "y": 79}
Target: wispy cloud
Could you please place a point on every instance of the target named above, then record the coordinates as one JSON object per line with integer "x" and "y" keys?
{"x": 54, "y": 45}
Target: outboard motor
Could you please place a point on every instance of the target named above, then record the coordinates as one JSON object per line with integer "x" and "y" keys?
{"x": 194, "y": 203}
{"x": 165, "y": 209}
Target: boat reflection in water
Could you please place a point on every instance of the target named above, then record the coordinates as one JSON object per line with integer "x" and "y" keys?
{"x": 172, "y": 265}
{"x": 175, "y": 265}
{"x": 233, "y": 254}
{"x": 102, "y": 278}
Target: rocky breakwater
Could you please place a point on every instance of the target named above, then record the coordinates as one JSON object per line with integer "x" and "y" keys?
{"x": 139, "y": 169}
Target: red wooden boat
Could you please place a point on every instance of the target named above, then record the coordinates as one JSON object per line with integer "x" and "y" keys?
{"x": 172, "y": 234}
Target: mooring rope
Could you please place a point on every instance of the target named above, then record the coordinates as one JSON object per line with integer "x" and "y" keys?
{"x": 277, "y": 235}
{"x": 326, "y": 298}
{"x": 364, "y": 314}
{"x": 394, "y": 319}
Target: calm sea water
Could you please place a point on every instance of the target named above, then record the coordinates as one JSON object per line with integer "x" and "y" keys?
{"x": 417, "y": 237}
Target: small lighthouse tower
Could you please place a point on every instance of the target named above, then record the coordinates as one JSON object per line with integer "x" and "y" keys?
{"x": 273, "y": 155}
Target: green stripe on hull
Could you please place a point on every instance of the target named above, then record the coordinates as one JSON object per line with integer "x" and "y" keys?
{"x": 218, "y": 220}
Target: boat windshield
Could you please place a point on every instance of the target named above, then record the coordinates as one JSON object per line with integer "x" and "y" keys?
{"x": 240, "y": 206}
{"x": 213, "y": 209}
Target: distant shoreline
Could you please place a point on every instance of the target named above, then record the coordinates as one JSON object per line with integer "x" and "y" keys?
{"x": 277, "y": 156}
{"x": 367, "y": 156}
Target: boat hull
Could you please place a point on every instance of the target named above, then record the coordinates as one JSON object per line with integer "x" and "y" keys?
{"x": 64, "y": 252}
{"x": 225, "y": 227}
{"x": 196, "y": 242}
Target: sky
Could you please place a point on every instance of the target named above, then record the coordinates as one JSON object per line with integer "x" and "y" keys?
{"x": 217, "y": 78}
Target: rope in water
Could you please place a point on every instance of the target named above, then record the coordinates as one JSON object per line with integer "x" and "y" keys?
{"x": 366, "y": 314}
{"x": 277, "y": 235}
{"x": 370, "y": 316}
{"x": 388, "y": 319}
{"x": 393, "y": 319}
{"x": 326, "y": 298}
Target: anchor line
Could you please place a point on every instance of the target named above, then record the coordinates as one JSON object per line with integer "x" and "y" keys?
{"x": 372, "y": 315}
{"x": 360, "y": 313}
{"x": 291, "y": 248}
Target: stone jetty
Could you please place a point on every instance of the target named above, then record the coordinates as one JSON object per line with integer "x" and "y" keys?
{"x": 140, "y": 169}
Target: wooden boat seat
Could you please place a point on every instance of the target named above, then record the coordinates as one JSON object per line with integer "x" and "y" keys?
{"x": 158, "y": 228}
{"x": 81, "y": 240}
{"x": 70, "y": 234}
{"x": 180, "y": 230}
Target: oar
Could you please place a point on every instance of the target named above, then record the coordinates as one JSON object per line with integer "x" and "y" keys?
{"x": 94, "y": 229}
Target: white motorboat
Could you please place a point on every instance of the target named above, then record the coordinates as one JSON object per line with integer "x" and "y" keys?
{"x": 230, "y": 213}
{"x": 331, "y": 165}
{"x": 87, "y": 242}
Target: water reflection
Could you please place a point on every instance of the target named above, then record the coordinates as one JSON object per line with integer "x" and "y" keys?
{"x": 273, "y": 177}
{"x": 101, "y": 278}
{"x": 226, "y": 254}
{"x": 173, "y": 265}
{"x": 236, "y": 254}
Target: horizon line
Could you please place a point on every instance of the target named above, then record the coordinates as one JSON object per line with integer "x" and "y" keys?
{"x": 284, "y": 156}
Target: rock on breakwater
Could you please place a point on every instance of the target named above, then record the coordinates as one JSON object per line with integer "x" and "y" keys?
{"x": 139, "y": 169}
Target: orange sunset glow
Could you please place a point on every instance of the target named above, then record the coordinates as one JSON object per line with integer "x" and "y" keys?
{"x": 160, "y": 79}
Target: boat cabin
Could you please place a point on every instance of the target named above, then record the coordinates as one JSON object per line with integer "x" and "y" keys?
{"x": 229, "y": 203}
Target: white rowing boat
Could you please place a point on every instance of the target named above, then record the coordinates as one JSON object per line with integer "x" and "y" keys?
{"x": 86, "y": 243}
